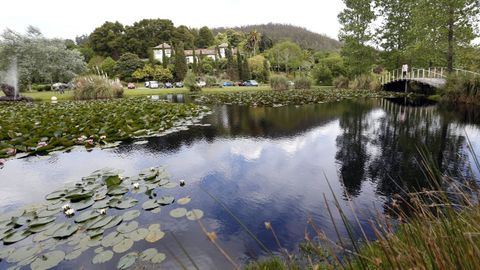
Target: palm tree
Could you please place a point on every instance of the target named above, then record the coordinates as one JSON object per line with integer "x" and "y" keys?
{"x": 252, "y": 41}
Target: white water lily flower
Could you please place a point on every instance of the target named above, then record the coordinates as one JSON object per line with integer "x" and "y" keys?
{"x": 136, "y": 185}
{"x": 152, "y": 169}
{"x": 103, "y": 137}
{"x": 102, "y": 211}
{"x": 70, "y": 212}
{"x": 65, "y": 207}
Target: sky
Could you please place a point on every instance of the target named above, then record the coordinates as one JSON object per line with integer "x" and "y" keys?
{"x": 68, "y": 19}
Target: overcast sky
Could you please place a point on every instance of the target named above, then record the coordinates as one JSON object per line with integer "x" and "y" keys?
{"x": 67, "y": 19}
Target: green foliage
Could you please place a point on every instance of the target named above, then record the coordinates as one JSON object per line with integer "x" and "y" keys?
{"x": 341, "y": 82}
{"x": 41, "y": 87}
{"x": 286, "y": 55}
{"x": 259, "y": 68}
{"x": 153, "y": 72}
{"x": 234, "y": 38}
{"x": 278, "y": 83}
{"x": 108, "y": 40}
{"x": 97, "y": 87}
{"x": 205, "y": 38}
{"x": 39, "y": 59}
{"x": 210, "y": 80}
{"x": 365, "y": 82}
{"x": 246, "y": 74}
{"x": 190, "y": 82}
{"x": 322, "y": 75}
{"x": 274, "y": 32}
{"x": 232, "y": 72}
{"x": 269, "y": 264}
{"x": 143, "y": 35}
{"x": 462, "y": 89}
{"x": 127, "y": 64}
{"x": 303, "y": 83}
{"x": 109, "y": 66}
{"x": 181, "y": 68}
{"x": 207, "y": 66}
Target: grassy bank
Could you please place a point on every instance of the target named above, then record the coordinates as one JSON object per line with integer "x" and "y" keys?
{"x": 462, "y": 89}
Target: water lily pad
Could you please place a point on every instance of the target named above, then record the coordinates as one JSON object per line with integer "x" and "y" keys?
{"x": 101, "y": 204}
{"x": 126, "y": 203}
{"x": 195, "y": 214}
{"x": 102, "y": 257}
{"x": 154, "y": 227}
{"x": 48, "y": 213}
{"x": 56, "y": 195}
{"x": 114, "y": 222}
{"x": 41, "y": 228}
{"x": 5, "y": 252}
{"x": 131, "y": 215}
{"x": 16, "y": 236}
{"x": 79, "y": 195}
{"x": 48, "y": 260}
{"x": 98, "y": 250}
{"x": 103, "y": 220}
{"x": 183, "y": 201}
{"x": 22, "y": 253}
{"x": 154, "y": 235}
{"x": 178, "y": 212}
{"x": 166, "y": 200}
{"x": 127, "y": 260}
{"x": 150, "y": 204}
{"x": 65, "y": 230}
{"x": 112, "y": 239}
{"x": 123, "y": 246}
{"x": 97, "y": 232}
{"x": 170, "y": 185}
{"x": 118, "y": 190}
{"x": 41, "y": 221}
{"x": 141, "y": 189}
{"x": 156, "y": 210}
{"x": 163, "y": 182}
{"x": 160, "y": 257}
{"x": 87, "y": 215}
{"x": 127, "y": 227}
{"x": 73, "y": 255}
{"x": 83, "y": 204}
{"x": 138, "y": 234}
{"x": 148, "y": 254}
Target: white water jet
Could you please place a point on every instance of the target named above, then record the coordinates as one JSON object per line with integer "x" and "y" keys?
{"x": 11, "y": 76}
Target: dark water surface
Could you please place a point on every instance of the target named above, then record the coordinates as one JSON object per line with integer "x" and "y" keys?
{"x": 267, "y": 164}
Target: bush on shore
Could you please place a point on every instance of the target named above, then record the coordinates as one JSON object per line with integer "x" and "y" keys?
{"x": 96, "y": 87}
{"x": 462, "y": 89}
{"x": 279, "y": 83}
{"x": 303, "y": 83}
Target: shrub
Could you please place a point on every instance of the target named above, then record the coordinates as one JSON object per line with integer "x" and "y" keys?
{"x": 190, "y": 82}
{"x": 278, "y": 83}
{"x": 210, "y": 80}
{"x": 462, "y": 89}
{"x": 365, "y": 82}
{"x": 96, "y": 87}
{"x": 322, "y": 75}
{"x": 41, "y": 87}
{"x": 303, "y": 83}
{"x": 341, "y": 82}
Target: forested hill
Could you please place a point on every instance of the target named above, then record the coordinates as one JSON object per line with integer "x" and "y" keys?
{"x": 278, "y": 32}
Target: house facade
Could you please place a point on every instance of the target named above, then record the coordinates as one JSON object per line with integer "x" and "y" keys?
{"x": 214, "y": 53}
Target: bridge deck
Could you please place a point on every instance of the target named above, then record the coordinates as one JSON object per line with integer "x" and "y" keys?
{"x": 433, "y": 82}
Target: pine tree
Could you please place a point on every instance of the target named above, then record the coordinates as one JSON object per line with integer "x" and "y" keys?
{"x": 181, "y": 68}
{"x": 356, "y": 32}
{"x": 195, "y": 63}
{"x": 164, "y": 58}
{"x": 247, "y": 75}
{"x": 240, "y": 65}
{"x": 231, "y": 69}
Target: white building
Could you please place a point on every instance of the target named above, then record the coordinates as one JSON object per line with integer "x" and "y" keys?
{"x": 214, "y": 53}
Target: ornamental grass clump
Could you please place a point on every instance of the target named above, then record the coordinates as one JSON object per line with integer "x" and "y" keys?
{"x": 279, "y": 83}
{"x": 97, "y": 87}
{"x": 303, "y": 83}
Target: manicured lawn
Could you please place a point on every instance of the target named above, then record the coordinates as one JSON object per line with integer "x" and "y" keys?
{"x": 142, "y": 91}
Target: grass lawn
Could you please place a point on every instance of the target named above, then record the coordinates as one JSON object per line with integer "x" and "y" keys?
{"x": 142, "y": 91}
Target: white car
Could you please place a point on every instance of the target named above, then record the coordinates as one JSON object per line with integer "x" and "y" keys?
{"x": 152, "y": 84}
{"x": 201, "y": 83}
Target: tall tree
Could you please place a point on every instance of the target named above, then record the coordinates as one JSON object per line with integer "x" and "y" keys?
{"x": 147, "y": 33}
{"x": 185, "y": 35}
{"x": 231, "y": 68}
{"x": 205, "y": 38}
{"x": 356, "y": 33}
{"x": 181, "y": 68}
{"x": 443, "y": 26}
{"x": 108, "y": 40}
{"x": 127, "y": 65}
{"x": 252, "y": 42}
{"x": 265, "y": 42}
{"x": 286, "y": 54}
{"x": 395, "y": 33}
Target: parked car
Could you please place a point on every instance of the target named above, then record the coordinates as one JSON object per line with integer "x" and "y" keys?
{"x": 238, "y": 83}
{"x": 131, "y": 86}
{"x": 178, "y": 85}
{"x": 168, "y": 85}
{"x": 250, "y": 83}
{"x": 60, "y": 87}
{"x": 152, "y": 84}
{"x": 227, "y": 84}
{"x": 201, "y": 83}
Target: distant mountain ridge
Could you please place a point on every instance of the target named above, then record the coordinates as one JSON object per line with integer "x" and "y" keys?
{"x": 302, "y": 36}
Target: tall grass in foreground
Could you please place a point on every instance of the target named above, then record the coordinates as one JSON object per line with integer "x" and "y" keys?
{"x": 97, "y": 87}
{"x": 438, "y": 228}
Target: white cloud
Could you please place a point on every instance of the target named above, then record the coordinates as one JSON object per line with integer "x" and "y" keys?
{"x": 67, "y": 19}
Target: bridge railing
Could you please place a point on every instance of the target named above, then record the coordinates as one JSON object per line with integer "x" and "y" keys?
{"x": 422, "y": 73}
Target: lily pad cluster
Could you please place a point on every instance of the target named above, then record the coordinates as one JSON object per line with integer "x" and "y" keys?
{"x": 45, "y": 127}
{"x": 291, "y": 97}
{"x": 105, "y": 206}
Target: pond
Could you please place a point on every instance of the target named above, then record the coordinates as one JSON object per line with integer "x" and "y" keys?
{"x": 266, "y": 164}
